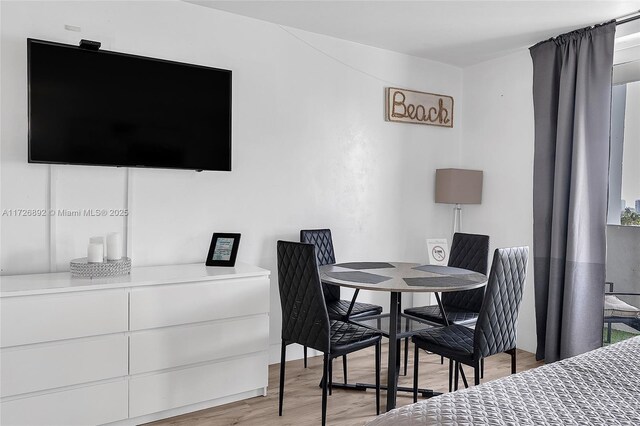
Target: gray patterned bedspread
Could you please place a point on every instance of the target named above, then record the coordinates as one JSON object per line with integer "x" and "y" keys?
{"x": 601, "y": 387}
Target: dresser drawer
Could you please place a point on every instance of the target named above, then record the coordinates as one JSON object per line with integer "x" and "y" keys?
{"x": 173, "y": 389}
{"x": 54, "y": 365}
{"x": 33, "y": 319}
{"x": 90, "y": 405}
{"x": 188, "y": 303}
{"x": 183, "y": 345}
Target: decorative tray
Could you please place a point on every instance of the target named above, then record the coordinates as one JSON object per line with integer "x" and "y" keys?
{"x": 109, "y": 268}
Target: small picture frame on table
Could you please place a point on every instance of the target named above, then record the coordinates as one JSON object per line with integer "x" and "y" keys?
{"x": 223, "y": 249}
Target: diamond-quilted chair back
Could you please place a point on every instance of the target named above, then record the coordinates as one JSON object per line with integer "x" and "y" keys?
{"x": 304, "y": 314}
{"x": 468, "y": 251}
{"x": 321, "y": 239}
{"x": 495, "y": 330}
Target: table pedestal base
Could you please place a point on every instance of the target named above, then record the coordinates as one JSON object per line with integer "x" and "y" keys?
{"x": 426, "y": 393}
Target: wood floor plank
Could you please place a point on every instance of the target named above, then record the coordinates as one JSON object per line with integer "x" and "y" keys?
{"x": 302, "y": 395}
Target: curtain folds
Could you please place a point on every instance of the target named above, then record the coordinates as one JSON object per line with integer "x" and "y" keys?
{"x": 572, "y": 99}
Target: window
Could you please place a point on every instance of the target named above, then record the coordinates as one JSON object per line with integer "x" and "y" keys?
{"x": 623, "y": 233}
{"x": 624, "y": 166}
{"x": 624, "y": 171}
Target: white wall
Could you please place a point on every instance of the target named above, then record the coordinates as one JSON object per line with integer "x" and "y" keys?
{"x": 310, "y": 146}
{"x": 498, "y": 137}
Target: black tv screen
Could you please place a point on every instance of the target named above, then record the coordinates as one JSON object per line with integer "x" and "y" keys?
{"x": 95, "y": 107}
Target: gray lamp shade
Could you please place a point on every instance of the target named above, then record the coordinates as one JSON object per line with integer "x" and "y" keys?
{"x": 458, "y": 186}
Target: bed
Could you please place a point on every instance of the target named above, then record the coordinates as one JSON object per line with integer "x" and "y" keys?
{"x": 601, "y": 387}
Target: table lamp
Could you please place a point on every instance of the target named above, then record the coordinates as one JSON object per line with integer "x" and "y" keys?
{"x": 458, "y": 186}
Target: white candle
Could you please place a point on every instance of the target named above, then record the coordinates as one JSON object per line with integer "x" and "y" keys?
{"x": 95, "y": 252}
{"x": 100, "y": 240}
{"x": 114, "y": 246}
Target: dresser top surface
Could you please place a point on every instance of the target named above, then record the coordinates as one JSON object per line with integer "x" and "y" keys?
{"x": 61, "y": 282}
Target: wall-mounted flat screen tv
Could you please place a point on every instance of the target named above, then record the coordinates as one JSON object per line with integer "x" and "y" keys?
{"x": 95, "y": 107}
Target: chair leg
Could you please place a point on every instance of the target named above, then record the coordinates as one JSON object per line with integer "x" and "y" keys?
{"x": 305, "y": 356}
{"x": 331, "y": 377}
{"x": 476, "y": 373}
{"x": 416, "y": 356}
{"x": 406, "y": 354}
{"x": 456, "y": 368}
{"x": 398, "y": 351}
{"x": 513, "y": 360}
{"x": 406, "y": 348}
{"x": 378, "y": 351}
{"x": 450, "y": 375}
{"x": 325, "y": 385}
{"x": 441, "y": 360}
{"x": 482, "y": 368}
{"x": 344, "y": 368}
{"x": 464, "y": 377}
{"x": 283, "y": 351}
{"x": 609, "y": 333}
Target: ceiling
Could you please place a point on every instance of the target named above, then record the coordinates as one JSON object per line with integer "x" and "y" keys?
{"x": 455, "y": 32}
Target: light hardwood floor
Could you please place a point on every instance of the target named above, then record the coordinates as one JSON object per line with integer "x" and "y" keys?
{"x": 302, "y": 396}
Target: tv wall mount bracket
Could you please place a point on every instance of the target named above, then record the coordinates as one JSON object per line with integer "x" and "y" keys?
{"x": 90, "y": 44}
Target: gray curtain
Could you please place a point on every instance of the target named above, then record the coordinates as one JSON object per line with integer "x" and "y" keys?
{"x": 572, "y": 99}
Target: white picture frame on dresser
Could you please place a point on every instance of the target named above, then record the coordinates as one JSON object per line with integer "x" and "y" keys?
{"x": 157, "y": 343}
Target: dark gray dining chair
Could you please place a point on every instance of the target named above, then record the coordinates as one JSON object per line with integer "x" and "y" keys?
{"x": 305, "y": 319}
{"x": 468, "y": 251}
{"x": 339, "y": 309}
{"x": 495, "y": 329}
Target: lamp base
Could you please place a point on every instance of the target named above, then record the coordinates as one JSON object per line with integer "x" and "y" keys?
{"x": 457, "y": 218}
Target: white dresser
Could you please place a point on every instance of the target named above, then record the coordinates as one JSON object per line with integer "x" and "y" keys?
{"x": 159, "y": 342}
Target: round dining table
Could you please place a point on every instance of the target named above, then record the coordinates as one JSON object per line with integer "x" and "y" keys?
{"x": 397, "y": 278}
